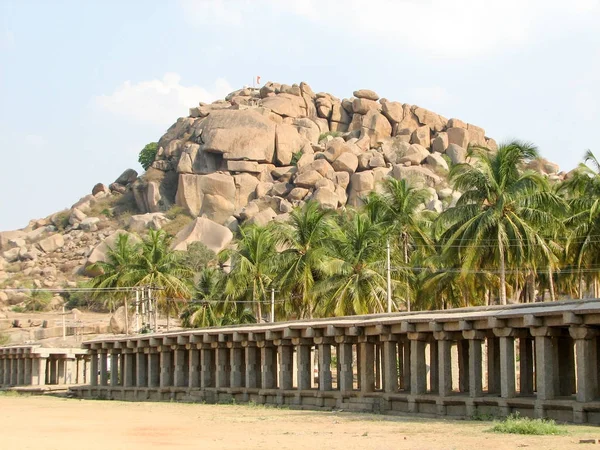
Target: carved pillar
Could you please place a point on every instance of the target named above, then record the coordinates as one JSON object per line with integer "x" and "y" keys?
{"x": 304, "y": 366}
{"x": 493, "y": 363}
{"x": 544, "y": 363}
{"x": 366, "y": 358}
{"x": 418, "y": 367}
{"x": 166, "y": 367}
{"x": 179, "y": 354}
{"x": 463, "y": 365}
{"x": 506, "y": 354}
{"x": 93, "y": 368}
{"x": 390, "y": 367}
{"x": 237, "y": 367}
{"x": 154, "y": 368}
{"x": 103, "y": 368}
{"x": 325, "y": 382}
{"x": 345, "y": 359}
{"x": 587, "y": 363}
{"x": 268, "y": 358}
{"x": 285, "y": 366}
{"x": 115, "y": 359}
{"x": 128, "y": 369}
{"x": 253, "y": 366}
{"x": 194, "y": 368}
{"x": 207, "y": 364}
{"x": 526, "y": 366}
{"x": 141, "y": 367}
{"x": 444, "y": 345}
{"x": 223, "y": 367}
{"x": 475, "y": 340}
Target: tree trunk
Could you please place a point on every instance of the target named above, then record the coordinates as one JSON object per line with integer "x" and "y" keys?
{"x": 126, "y": 316}
{"x": 551, "y": 284}
{"x": 405, "y": 245}
{"x": 502, "y": 273}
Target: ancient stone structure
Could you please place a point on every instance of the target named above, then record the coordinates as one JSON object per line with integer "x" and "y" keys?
{"x": 32, "y": 365}
{"x": 540, "y": 360}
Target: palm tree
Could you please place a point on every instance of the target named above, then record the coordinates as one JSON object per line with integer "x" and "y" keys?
{"x": 253, "y": 265}
{"x": 353, "y": 281}
{"x": 304, "y": 257}
{"x": 501, "y": 211}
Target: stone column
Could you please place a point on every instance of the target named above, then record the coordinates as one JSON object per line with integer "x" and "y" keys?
{"x": 286, "y": 363}
{"x": 21, "y": 371}
{"x": 544, "y": 364}
{"x": 493, "y": 363}
{"x": 6, "y": 379}
{"x": 390, "y": 368}
{"x": 434, "y": 373}
{"x": 14, "y": 371}
{"x": 444, "y": 363}
{"x": 128, "y": 370}
{"x": 253, "y": 367}
{"x": 526, "y": 366}
{"x": 1, "y": 371}
{"x": 93, "y": 381}
{"x": 62, "y": 371}
{"x": 345, "y": 359}
{"x": 179, "y": 354}
{"x": 418, "y": 368}
{"x": 367, "y": 366}
{"x": 304, "y": 367}
{"x": 269, "y": 365}
{"x": 153, "y": 368}
{"x": 115, "y": 360}
{"x": 587, "y": 363}
{"x": 237, "y": 367}
{"x": 80, "y": 370}
{"x": 565, "y": 371}
{"x": 194, "y": 367}
{"x": 507, "y": 362}
{"x": 475, "y": 340}
{"x": 207, "y": 363}
{"x": 222, "y": 367}
{"x": 141, "y": 367}
{"x": 325, "y": 382}
{"x": 103, "y": 368}
{"x": 166, "y": 367}
{"x": 463, "y": 365}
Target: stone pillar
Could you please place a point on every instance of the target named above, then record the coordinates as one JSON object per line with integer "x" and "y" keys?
{"x": 28, "y": 370}
{"x": 93, "y": 381}
{"x": 153, "y": 368}
{"x": 14, "y": 371}
{"x": 253, "y": 367}
{"x": 128, "y": 369}
{"x": 62, "y": 371}
{"x": 304, "y": 367}
{"x": 80, "y": 370}
{"x": 286, "y": 367}
{"x": 525, "y": 366}
{"x": 237, "y": 367}
{"x": 390, "y": 367}
{"x": 434, "y": 373}
{"x": 587, "y": 363}
{"x": 141, "y": 367}
{"x": 269, "y": 366}
{"x": 444, "y": 364}
{"x": 565, "y": 371}
{"x": 179, "y": 354}
{"x": 346, "y": 377}
{"x": 544, "y": 366}
{"x": 21, "y": 371}
{"x": 418, "y": 368}
{"x": 194, "y": 368}
{"x": 222, "y": 367}
{"x": 6, "y": 379}
{"x": 463, "y": 365}
{"x": 166, "y": 367}
{"x": 367, "y": 366}
{"x": 507, "y": 367}
{"x": 103, "y": 368}
{"x": 475, "y": 340}
{"x": 1, "y": 371}
{"x": 325, "y": 382}
{"x": 207, "y": 363}
{"x": 115, "y": 360}
{"x": 493, "y": 363}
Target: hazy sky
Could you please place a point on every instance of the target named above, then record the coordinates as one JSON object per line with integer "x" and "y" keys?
{"x": 84, "y": 85}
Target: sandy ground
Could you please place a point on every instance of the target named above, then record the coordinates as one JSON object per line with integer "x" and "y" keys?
{"x": 59, "y": 423}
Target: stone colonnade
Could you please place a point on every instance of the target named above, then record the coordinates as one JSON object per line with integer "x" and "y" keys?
{"x": 32, "y": 365}
{"x": 541, "y": 360}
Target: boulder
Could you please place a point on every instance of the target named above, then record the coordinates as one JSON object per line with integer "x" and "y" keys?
{"x": 376, "y": 127}
{"x": 377, "y": 160}
{"x": 394, "y": 111}
{"x": 415, "y": 154}
{"x": 362, "y": 181}
{"x": 297, "y": 193}
{"x": 430, "y": 119}
{"x": 421, "y": 136}
{"x": 367, "y": 94}
{"x": 476, "y": 135}
{"x": 339, "y": 114}
{"x": 193, "y": 189}
{"x": 456, "y": 153}
{"x": 409, "y": 121}
{"x": 307, "y": 179}
{"x": 76, "y": 216}
{"x": 286, "y": 105}
{"x": 51, "y": 243}
{"x": 440, "y": 143}
{"x": 283, "y": 173}
{"x": 6, "y": 236}
{"x": 342, "y": 179}
{"x": 244, "y": 166}
{"x": 214, "y": 236}
{"x": 243, "y": 134}
{"x": 245, "y": 188}
{"x": 458, "y": 136}
{"x": 89, "y": 224}
{"x": 263, "y": 218}
{"x": 394, "y": 149}
{"x": 326, "y": 197}
{"x": 120, "y": 323}
{"x": 308, "y": 129}
{"x": 99, "y": 253}
{"x": 363, "y": 106}
{"x": 456, "y": 123}
{"x": 12, "y": 255}
{"x": 346, "y": 162}
{"x": 100, "y": 188}
{"x": 436, "y": 160}
{"x": 150, "y": 221}
{"x": 288, "y": 142}
{"x": 127, "y": 177}
{"x": 417, "y": 175}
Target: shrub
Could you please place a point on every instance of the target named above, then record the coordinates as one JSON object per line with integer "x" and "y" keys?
{"x": 329, "y": 133}
{"x": 61, "y": 220}
{"x": 148, "y": 154}
{"x": 296, "y": 157}
{"x": 514, "y": 424}
{"x": 197, "y": 256}
{"x": 38, "y": 300}
{"x": 4, "y": 339}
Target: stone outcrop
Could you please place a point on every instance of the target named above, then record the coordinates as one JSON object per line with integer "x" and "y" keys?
{"x": 214, "y": 236}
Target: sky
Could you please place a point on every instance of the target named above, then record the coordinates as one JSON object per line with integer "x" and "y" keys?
{"x": 85, "y": 85}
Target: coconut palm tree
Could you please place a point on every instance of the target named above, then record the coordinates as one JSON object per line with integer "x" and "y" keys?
{"x": 253, "y": 267}
{"x": 304, "y": 257}
{"x": 500, "y": 215}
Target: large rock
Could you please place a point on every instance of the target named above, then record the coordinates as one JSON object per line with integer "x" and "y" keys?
{"x": 417, "y": 175}
{"x": 120, "y": 323}
{"x": 244, "y": 134}
{"x": 363, "y": 106}
{"x": 193, "y": 189}
{"x": 432, "y": 120}
{"x": 436, "y": 160}
{"x": 263, "y": 217}
{"x": 214, "y": 236}
{"x": 476, "y": 135}
{"x": 286, "y": 105}
{"x": 376, "y": 127}
{"x": 458, "y": 136}
{"x": 90, "y": 224}
{"x": 394, "y": 111}
{"x": 51, "y": 243}
{"x": 421, "y": 136}
{"x": 127, "y": 177}
{"x": 308, "y": 129}
{"x": 440, "y": 143}
{"x": 288, "y": 142}
{"x": 326, "y": 197}
{"x": 100, "y": 252}
{"x": 6, "y": 236}
{"x": 346, "y": 162}
{"x": 245, "y": 187}
{"x": 415, "y": 154}
{"x": 456, "y": 153}
{"x": 150, "y": 221}
{"x": 366, "y": 93}
{"x": 307, "y": 179}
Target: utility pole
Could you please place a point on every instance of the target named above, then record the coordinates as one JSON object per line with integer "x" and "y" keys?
{"x": 137, "y": 310}
{"x": 389, "y": 279}
{"x": 272, "y": 305}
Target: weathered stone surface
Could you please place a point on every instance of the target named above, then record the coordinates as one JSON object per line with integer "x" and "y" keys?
{"x": 458, "y": 136}
{"x": 239, "y": 135}
{"x": 339, "y": 114}
{"x": 415, "y": 154}
{"x": 11, "y": 255}
{"x": 120, "y": 322}
{"x": 394, "y": 149}
{"x": 214, "y": 236}
{"x": 362, "y": 181}
{"x": 99, "y": 252}
{"x": 419, "y": 176}
{"x": 321, "y": 166}
{"x": 440, "y": 143}
{"x": 193, "y": 188}
{"x": 217, "y": 207}
{"x": 76, "y": 216}
{"x": 245, "y": 188}
{"x": 409, "y": 121}
{"x": 377, "y": 160}
{"x": 307, "y": 179}
{"x": 6, "y": 236}
{"x": 456, "y": 123}
{"x": 284, "y": 173}
{"x": 432, "y": 120}
{"x": 491, "y": 144}
{"x": 436, "y": 160}
{"x": 288, "y": 141}
{"x": 127, "y": 177}
{"x": 394, "y": 111}
{"x": 150, "y": 221}
{"x": 376, "y": 127}
{"x": 297, "y": 194}
{"x": 476, "y": 135}
{"x": 367, "y": 94}
{"x": 326, "y": 197}
{"x": 263, "y": 217}
{"x": 89, "y": 224}
{"x": 51, "y": 243}
{"x": 456, "y": 153}
{"x": 308, "y": 129}
{"x": 421, "y": 136}
{"x": 286, "y": 105}
{"x": 335, "y": 148}
{"x": 346, "y": 162}
{"x": 244, "y": 166}
{"x": 363, "y": 106}
{"x": 98, "y": 188}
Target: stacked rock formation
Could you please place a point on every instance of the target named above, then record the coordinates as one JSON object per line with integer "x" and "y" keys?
{"x": 261, "y": 152}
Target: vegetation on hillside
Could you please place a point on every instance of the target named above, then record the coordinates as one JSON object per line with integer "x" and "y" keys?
{"x": 147, "y": 155}
{"x": 511, "y": 237}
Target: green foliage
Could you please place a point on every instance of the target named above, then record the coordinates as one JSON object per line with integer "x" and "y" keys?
{"x": 61, "y": 220}
{"x": 38, "y": 301}
{"x": 197, "y": 257}
{"x": 4, "y": 339}
{"x": 179, "y": 218}
{"x": 329, "y": 133}
{"x": 148, "y": 154}
{"x": 296, "y": 157}
{"x": 514, "y": 424}
{"x": 83, "y": 300}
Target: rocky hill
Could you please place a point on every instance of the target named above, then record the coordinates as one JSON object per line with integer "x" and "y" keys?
{"x": 251, "y": 157}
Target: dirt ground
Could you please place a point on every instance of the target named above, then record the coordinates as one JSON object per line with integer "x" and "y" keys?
{"x": 60, "y": 423}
